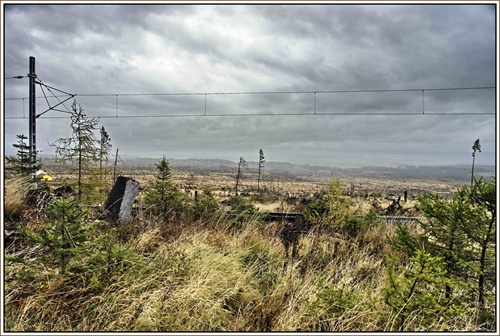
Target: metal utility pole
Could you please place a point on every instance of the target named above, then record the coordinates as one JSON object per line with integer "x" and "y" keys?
{"x": 32, "y": 111}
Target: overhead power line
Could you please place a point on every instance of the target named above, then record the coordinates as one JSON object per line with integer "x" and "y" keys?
{"x": 275, "y": 92}
{"x": 277, "y": 115}
{"x": 205, "y": 94}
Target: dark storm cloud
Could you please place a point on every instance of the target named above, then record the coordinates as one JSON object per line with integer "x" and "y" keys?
{"x": 394, "y": 45}
{"x": 95, "y": 49}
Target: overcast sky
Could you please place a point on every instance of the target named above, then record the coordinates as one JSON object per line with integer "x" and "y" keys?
{"x": 293, "y": 49}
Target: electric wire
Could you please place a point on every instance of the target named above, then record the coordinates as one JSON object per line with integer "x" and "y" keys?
{"x": 278, "y": 114}
{"x": 273, "y": 92}
{"x": 205, "y": 94}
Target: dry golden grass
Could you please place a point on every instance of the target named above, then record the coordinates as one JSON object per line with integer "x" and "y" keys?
{"x": 207, "y": 275}
{"x": 211, "y": 279}
{"x": 16, "y": 188}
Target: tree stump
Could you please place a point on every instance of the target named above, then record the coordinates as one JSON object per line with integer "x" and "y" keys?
{"x": 119, "y": 203}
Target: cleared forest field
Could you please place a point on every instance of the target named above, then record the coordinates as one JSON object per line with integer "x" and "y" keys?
{"x": 204, "y": 268}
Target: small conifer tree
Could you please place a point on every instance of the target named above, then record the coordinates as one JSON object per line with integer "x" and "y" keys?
{"x": 22, "y": 163}
{"x": 444, "y": 236}
{"x": 104, "y": 152}
{"x": 206, "y": 205}
{"x": 480, "y": 229}
{"x": 416, "y": 289}
{"x": 461, "y": 232}
{"x": 162, "y": 196}
{"x": 81, "y": 149}
{"x": 65, "y": 232}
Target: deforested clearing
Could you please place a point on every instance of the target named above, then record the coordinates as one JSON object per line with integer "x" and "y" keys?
{"x": 202, "y": 266}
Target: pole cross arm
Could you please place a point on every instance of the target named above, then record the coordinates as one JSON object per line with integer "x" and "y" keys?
{"x": 54, "y": 107}
{"x": 50, "y": 87}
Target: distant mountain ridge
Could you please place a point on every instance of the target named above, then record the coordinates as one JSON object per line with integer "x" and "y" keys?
{"x": 448, "y": 172}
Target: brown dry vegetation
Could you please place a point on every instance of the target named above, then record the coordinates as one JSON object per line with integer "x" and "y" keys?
{"x": 284, "y": 191}
{"x": 215, "y": 280}
{"x": 210, "y": 275}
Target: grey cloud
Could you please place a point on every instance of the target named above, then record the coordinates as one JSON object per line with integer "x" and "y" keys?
{"x": 213, "y": 48}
